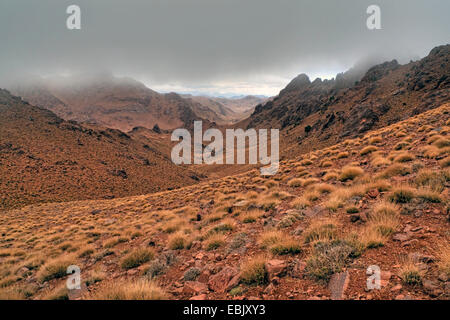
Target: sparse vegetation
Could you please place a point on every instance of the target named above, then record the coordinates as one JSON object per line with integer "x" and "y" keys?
{"x": 328, "y": 258}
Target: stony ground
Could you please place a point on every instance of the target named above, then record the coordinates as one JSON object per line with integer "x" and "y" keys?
{"x": 309, "y": 232}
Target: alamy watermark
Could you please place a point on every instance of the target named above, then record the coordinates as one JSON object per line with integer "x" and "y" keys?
{"x": 214, "y": 152}
{"x": 73, "y": 21}
{"x": 374, "y": 277}
{"x": 74, "y": 279}
{"x": 373, "y": 22}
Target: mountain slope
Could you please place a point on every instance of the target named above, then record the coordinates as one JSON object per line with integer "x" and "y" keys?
{"x": 320, "y": 113}
{"x": 44, "y": 158}
{"x": 329, "y": 214}
{"x": 118, "y": 103}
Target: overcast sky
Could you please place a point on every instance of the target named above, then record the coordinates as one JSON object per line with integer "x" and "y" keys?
{"x": 215, "y": 46}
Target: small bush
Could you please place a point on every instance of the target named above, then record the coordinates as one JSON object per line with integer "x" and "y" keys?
{"x": 330, "y": 176}
{"x": 328, "y": 258}
{"x": 225, "y": 226}
{"x": 191, "y": 274}
{"x": 237, "y": 291}
{"x": 156, "y": 268}
{"x": 379, "y": 161}
{"x": 253, "y": 271}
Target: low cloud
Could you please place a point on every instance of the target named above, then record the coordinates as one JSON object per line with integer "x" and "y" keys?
{"x": 217, "y": 45}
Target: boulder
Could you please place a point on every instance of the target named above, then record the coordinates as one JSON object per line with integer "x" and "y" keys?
{"x": 194, "y": 287}
{"x": 199, "y": 297}
{"x": 401, "y": 237}
{"x": 225, "y": 280}
{"x": 275, "y": 268}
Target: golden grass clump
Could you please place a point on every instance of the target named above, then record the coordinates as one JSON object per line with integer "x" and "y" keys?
{"x": 215, "y": 241}
{"x": 342, "y": 155}
{"x": 311, "y": 195}
{"x": 350, "y": 173}
{"x": 428, "y": 195}
{"x": 300, "y": 203}
{"x": 396, "y": 169}
{"x": 432, "y": 179}
{"x": 367, "y": 150}
{"x": 306, "y": 162}
{"x": 324, "y": 188}
{"x": 331, "y": 175}
{"x": 384, "y": 218}
{"x": 178, "y": 241}
{"x": 136, "y": 258}
{"x": 56, "y": 268}
{"x": 404, "y": 157}
{"x": 326, "y": 164}
{"x": 402, "y": 194}
{"x": 443, "y": 258}
{"x": 372, "y": 238}
{"x": 445, "y": 163}
{"x": 375, "y": 140}
{"x": 126, "y": 290}
{"x": 251, "y": 216}
{"x": 11, "y": 293}
{"x": 379, "y": 161}
{"x": 296, "y": 182}
{"x": 278, "y": 242}
{"x": 410, "y": 273}
{"x": 309, "y": 181}
{"x": 320, "y": 230}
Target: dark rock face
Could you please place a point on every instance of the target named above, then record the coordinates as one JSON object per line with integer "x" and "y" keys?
{"x": 356, "y": 101}
{"x": 377, "y": 72}
{"x": 300, "y": 82}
